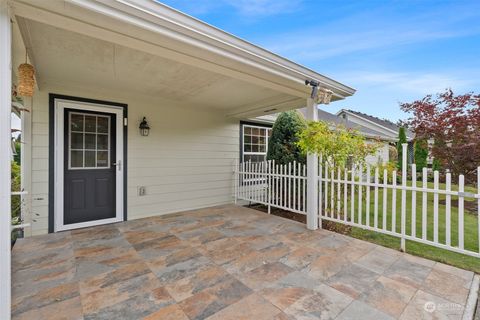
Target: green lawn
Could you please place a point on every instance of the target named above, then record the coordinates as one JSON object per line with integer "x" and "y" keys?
{"x": 471, "y": 241}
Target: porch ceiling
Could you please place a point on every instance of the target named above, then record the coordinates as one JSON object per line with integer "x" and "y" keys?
{"x": 145, "y": 47}
{"x": 64, "y": 57}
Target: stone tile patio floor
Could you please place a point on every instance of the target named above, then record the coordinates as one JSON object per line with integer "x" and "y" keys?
{"x": 226, "y": 262}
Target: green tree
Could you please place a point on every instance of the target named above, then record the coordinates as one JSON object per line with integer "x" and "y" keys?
{"x": 402, "y": 138}
{"x": 18, "y": 145}
{"x": 282, "y": 146}
{"x": 421, "y": 154}
{"x": 337, "y": 146}
{"x": 16, "y": 186}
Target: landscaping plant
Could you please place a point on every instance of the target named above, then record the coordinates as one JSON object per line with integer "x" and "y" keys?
{"x": 453, "y": 122}
{"x": 282, "y": 145}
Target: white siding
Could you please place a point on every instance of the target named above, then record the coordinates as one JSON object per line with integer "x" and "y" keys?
{"x": 381, "y": 156}
{"x": 185, "y": 163}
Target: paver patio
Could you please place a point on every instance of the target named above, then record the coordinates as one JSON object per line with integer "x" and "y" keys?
{"x": 226, "y": 262}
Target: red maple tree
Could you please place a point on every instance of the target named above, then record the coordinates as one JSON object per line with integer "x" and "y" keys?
{"x": 453, "y": 122}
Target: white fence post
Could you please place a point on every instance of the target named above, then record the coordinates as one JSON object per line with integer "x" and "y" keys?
{"x": 404, "y": 195}
{"x": 320, "y": 197}
{"x": 269, "y": 194}
{"x": 435, "y": 204}
{"x": 461, "y": 202}
{"x": 312, "y": 174}
{"x": 448, "y": 212}
{"x": 414, "y": 201}
{"x": 424, "y": 203}
{"x": 367, "y": 201}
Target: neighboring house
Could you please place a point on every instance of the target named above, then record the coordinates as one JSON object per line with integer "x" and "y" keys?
{"x": 385, "y": 127}
{"x": 256, "y": 132}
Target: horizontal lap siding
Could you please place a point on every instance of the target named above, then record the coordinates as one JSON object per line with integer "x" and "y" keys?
{"x": 185, "y": 163}
{"x": 39, "y": 187}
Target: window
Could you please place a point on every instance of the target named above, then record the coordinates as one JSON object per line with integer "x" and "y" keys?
{"x": 89, "y": 141}
{"x": 255, "y": 142}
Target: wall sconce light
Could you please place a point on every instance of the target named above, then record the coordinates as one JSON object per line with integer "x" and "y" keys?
{"x": 144, "y": 127}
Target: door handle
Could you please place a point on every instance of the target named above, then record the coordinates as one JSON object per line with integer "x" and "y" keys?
{"x": 118, "y": 164}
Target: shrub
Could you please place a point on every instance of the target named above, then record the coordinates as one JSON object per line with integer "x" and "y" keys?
{"x": 421, "y": 154}
{"x": 16, "y": 185}
{"x": 282, "y": 146}
{"x": 338, "y": 146}
{"x": 392, "y": 154}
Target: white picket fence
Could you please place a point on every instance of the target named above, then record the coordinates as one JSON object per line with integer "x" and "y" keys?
{"x": 414, "y": 209}
{"x": 273, "y": 185}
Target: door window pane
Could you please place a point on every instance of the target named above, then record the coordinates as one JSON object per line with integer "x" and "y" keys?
{"x": 90, "y": 124}
{"x": 102, "y": 158}
{"x": 89, "y": 141}
{"x": 76, "y": 122}
{"x": 76, "y": 159}
{"x": 102, "y": 142}
{"x": 77, "y": 140}
{"x": 90, "y": 159}
{"x": 102, "y": 125}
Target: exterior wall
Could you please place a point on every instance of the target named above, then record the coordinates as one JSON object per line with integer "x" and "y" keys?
{"x": 381, "y": 155}
{"x": 186, "y": 162}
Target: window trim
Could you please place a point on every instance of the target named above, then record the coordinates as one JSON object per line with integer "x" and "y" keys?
{"x": 252, "y": 124}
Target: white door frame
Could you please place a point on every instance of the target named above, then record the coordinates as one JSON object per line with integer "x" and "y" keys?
{"x": 59, "y": 136}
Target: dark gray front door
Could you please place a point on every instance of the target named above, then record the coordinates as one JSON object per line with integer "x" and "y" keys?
{"x": 89, "y": 170}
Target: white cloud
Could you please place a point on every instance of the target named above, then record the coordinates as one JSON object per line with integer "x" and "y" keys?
{"x": 410, "y": 82}
{"x": 374, "y": 31}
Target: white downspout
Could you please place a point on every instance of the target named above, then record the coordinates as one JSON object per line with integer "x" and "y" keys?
{"x": 5, "y": 158}
{"x": 312, "y": 174}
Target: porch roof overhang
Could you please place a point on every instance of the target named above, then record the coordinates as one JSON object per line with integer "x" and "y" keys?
{"x": 184, "y": 59}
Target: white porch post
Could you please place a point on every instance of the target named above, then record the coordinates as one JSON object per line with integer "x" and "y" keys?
{"x": 5, "y": 154}
{"x": 312, "y": 174}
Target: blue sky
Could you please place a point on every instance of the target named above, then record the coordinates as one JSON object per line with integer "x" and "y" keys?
{"x": 390, "y": 51}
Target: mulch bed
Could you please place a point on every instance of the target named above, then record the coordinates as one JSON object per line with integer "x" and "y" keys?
{"x": 328, "y": 225}
{"x": 469, "y": 205}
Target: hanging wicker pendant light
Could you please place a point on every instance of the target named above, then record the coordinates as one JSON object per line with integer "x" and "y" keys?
{"x": 26, "y": 80}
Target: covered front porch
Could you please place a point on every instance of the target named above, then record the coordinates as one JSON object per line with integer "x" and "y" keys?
{"x": 101, "y": 67}
{"x": 226, "y": 262}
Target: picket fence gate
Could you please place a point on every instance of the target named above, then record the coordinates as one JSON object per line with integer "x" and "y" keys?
{"x": 402, "y": 210}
